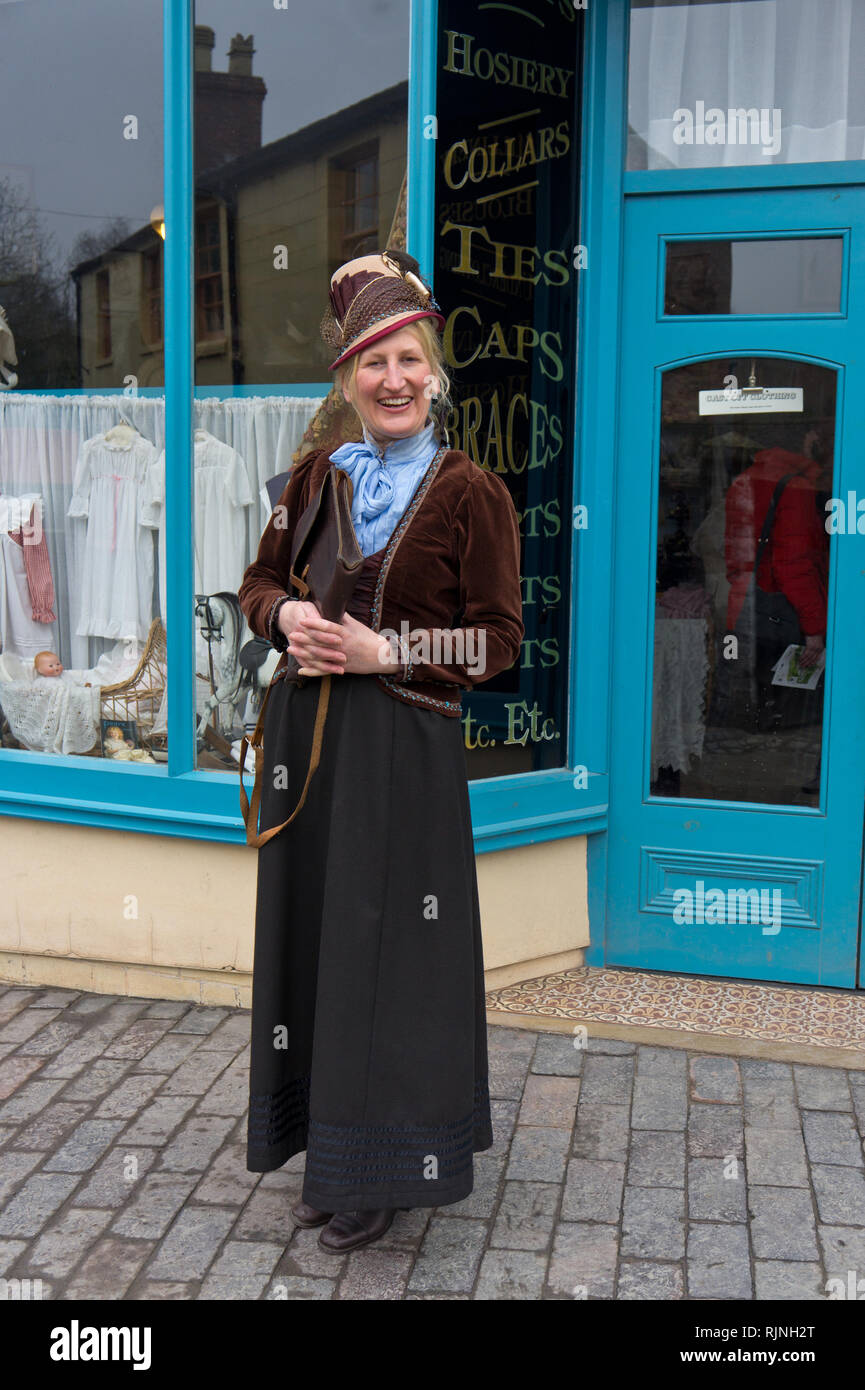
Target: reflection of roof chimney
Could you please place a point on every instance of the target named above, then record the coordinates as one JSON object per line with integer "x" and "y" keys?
{"x": 227, "y": 104}
{"x": 204, "y": 41}
{"x": 240, "y": 56}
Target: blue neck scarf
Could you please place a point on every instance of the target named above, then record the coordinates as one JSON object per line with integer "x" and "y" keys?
{"x": 384, "y": 481}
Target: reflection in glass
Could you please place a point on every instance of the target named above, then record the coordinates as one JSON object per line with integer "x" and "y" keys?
{"x": 790, "y": 275}
{"x": 724, "y": 727}
{"x": 291, "y": 181}
{"x": 82, "y": 646}
{"x": 745, "y": 82}
{"x": 294, "y": 175}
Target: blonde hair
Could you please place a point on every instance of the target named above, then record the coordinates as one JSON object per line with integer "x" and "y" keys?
{"x": 440, "y": 405}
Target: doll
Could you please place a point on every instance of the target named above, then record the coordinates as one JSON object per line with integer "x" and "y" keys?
{"x": 49, "y": 664}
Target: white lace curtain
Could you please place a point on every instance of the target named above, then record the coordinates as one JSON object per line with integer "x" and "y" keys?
{"x": 40, "y": 437}
{"x": 803, "y": 57}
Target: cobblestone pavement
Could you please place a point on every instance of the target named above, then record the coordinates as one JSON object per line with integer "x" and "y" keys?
{"x": 620, "y": 1172}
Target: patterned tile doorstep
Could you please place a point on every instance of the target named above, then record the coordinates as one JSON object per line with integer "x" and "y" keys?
{"x": 724, "y": 1008}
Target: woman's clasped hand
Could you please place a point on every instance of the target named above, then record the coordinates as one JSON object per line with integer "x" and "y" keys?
{"x": 324, "y": 648}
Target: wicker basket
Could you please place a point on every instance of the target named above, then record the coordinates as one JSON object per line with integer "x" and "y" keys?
{"x": 140, "y": 696}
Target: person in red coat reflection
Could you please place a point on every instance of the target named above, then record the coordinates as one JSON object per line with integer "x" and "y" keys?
{"x": 796, "y": 559}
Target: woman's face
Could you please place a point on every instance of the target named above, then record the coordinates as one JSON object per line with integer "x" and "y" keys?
{"x": 391, "y": 388}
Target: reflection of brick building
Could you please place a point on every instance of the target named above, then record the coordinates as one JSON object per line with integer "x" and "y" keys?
{"x": 272, "y": 223}
{"x": 228, "y": 105}
{"x": 298, "y": 208}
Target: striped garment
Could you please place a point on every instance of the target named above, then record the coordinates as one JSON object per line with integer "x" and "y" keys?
{"x": 37, "y": 567}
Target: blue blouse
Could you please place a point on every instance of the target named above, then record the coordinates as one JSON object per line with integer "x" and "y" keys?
{"x": 384, "y": 481}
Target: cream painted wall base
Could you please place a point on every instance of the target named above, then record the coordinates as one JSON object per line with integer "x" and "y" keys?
{"x": 235, "y": 991}
{"x": 533, "y": 969}
{"x": 167, "y": 918}
{"x": 113, "y": 977}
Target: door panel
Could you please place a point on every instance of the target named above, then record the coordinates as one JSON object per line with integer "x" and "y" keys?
{"x": 737, "y": 803}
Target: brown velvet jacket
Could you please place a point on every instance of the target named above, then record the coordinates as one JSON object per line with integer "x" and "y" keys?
{"x": 452, "y": 562}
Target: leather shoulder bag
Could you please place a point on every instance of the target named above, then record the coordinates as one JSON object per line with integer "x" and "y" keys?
{"x": 325, "y": 565}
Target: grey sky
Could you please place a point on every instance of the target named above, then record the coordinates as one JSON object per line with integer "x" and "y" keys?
{"x": 71, "y": 70}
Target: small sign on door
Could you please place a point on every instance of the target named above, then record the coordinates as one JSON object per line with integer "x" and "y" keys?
{"x": 748, "y": 401}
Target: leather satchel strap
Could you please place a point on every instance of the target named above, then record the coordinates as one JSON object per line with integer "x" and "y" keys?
{"x": 251, "y": 809}
{"x": 336, "y": 493}
{"x": 300, "y": 582}
{"x": 769, "y": 521}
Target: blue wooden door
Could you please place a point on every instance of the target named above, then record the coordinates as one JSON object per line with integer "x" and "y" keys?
{"x": 736, "y": 805}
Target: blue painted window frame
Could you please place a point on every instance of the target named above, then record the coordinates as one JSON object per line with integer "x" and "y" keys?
{"x": 180, "y": 800}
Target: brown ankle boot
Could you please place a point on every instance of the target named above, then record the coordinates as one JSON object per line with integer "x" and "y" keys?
{"x": 347, "y": 1230}
{"x": 305, "y": 1215}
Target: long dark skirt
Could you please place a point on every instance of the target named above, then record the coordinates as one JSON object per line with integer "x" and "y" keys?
{"x": 369, "y": 1045}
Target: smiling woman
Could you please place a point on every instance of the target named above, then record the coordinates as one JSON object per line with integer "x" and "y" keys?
{"x": 395, "y": 383}
{"x": 374, "y": 886}
{"x": 390, "y": 385}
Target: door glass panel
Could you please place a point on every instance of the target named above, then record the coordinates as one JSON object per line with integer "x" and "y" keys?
{"x": 788, "y": 275}
{"x": 724, "y": 727}
{"x": 745, "y": 82}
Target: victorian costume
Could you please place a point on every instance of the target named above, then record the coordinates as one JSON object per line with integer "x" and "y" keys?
{"x": 368, "y": 1022}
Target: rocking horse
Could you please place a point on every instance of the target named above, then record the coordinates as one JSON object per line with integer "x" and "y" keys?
{"x": 244, "y": 670}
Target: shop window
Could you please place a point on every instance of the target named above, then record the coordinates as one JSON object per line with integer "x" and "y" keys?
{"x": 304, "y": 174}
{"x": 209, "y": 307}
{"x": 354, "y": 205}
{"x": 82, "y": 651}
{"x": 506, "y": 273}
{"x": 82, "y": 366}
{"x": 103, "y": 314}
{"x": 151, "y": 295}
{"x": 745, "y": 82}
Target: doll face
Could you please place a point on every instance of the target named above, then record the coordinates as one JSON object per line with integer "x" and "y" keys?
{"x": 49, "y": 665}
{"x": 390, "y": 389}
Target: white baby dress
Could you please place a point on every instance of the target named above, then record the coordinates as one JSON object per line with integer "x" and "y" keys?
{"x": 115, "y": 591}
{"x": 222, "y": 491}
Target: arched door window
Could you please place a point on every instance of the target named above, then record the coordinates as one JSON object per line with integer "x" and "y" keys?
{"x": 747, "y": 456}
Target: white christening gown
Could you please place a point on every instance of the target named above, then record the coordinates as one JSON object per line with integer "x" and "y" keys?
{"x": 222, "y": 491}
{"x": 115, "y": 596}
